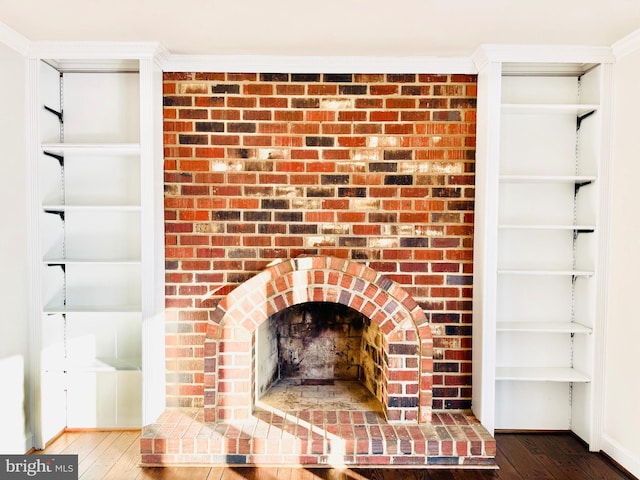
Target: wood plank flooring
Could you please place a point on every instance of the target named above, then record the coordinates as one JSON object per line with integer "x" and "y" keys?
{"x": 115, "y": 456}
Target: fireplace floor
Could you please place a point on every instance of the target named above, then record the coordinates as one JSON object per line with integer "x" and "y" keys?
{"x": 317, "y": 425}
{"x": 294, "y": 394}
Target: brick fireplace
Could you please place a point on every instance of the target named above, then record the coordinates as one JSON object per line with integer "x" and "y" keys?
{"x": 285, "y": 190}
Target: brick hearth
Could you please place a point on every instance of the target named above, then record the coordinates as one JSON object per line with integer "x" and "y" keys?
{"x": 317, "y": 438}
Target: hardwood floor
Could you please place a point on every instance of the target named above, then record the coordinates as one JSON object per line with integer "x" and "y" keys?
{"x": 115, "y": 455}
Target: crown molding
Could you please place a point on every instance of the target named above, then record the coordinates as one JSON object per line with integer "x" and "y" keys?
{"x": 627, "y": 45}
{"x": 542, "y": 54}
{"x": 95, "y": 50}
{"x": 95, "y": 56}
{"x": 13, "y": 40}
{"x": 307, "y": 64}
{"x": 480, "y": 58}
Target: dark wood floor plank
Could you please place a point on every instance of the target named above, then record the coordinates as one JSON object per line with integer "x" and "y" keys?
{"x": 152, "y": 473}
{"x": 525, "y": 463}
{"x": 476, "y": 474}
{"x": 365, "y": 474}
{"x": 335, "y": 474}
{"x": 439, "y": 474}
{"x": 191, "y": 473}
{"x": 593, "y": 466}
{"x": 265, "y": 473}
{"x": 507, "y": 470}
{"x": 558, "y": 463}
{"x": 236, "y": 473}
{"x": 314, "y": 474}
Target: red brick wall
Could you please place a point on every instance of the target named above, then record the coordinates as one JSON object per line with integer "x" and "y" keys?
{"x": 373, "y": 168}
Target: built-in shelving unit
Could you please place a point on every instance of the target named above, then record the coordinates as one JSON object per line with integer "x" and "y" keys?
{"x": 96, "y": 224}
{"x": 90, "y": 236}
{"x": 538, "y": 253}
{"x": 547, "y": 221}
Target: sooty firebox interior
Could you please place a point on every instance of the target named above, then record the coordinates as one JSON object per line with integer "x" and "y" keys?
{"x": 319, "y": 343}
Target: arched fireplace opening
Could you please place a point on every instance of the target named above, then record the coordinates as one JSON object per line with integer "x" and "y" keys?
{"x": 403, "y": 380}
{"x": 324, "y": 348}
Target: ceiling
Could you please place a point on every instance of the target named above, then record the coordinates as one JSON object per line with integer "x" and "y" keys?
{"x": 327, "y": 27}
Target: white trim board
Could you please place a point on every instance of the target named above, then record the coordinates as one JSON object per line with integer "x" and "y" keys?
{"x": 365, "y": 64}
{"x": 627, "y": 45}
{"x": 317, "y": 64}
{"x": 542, "y": 54}
{"x": 114, "y": 51}
{"x": 13, "y": 40}
{"x": 95, "y": 56}
{"x": 624, "y": 457}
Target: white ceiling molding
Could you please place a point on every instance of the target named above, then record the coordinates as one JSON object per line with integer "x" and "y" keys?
{"x": 91, "y": 56}
{"x": 480, "y": 58}
{"x": 14, "y": 40}
{"x": 317, "y": 64}
{"x": 97, "y": 50}
{"x": 627, "y": 45}
{"x": 542, "y": 54}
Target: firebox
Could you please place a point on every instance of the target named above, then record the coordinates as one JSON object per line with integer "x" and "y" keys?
{"x": 320, "y": 352}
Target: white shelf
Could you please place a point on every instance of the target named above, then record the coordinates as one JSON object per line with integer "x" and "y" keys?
{"x": 92, "y": 309}
{"x": 98, "y": 365}
{"x": 91, "y": 261}
{"x": 570, "y": 273}
{"x": 541, "y": 374}
{"x": 549, "y": 108}
{"x": 543, "y": 327}
{"x": 581, "y": 228}
{"x": 108, "y": 365}
{"x": 92, "y": 148}
{"x": 524, "y": 178}
{"x": 91, "y": 208}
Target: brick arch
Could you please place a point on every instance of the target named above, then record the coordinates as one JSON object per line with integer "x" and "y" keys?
{"x": 229, "y": 344}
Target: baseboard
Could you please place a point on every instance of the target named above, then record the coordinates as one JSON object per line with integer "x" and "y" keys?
{"x": 101, "y": 429}
{"x": 626, "y": 459}
{"x": 28, "y": 442}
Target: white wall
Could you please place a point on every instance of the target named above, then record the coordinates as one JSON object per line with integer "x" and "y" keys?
{"x": 622, "y": 385}
{"x": 13, "y": 255}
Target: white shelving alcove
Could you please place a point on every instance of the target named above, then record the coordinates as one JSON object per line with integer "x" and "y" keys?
{"x": 97, "y": 189}
{"x": 539, "y": 251}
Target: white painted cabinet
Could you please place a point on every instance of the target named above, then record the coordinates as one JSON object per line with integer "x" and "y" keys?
{"x": 540, "y": 249}
{"x": 96, "y": 154}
